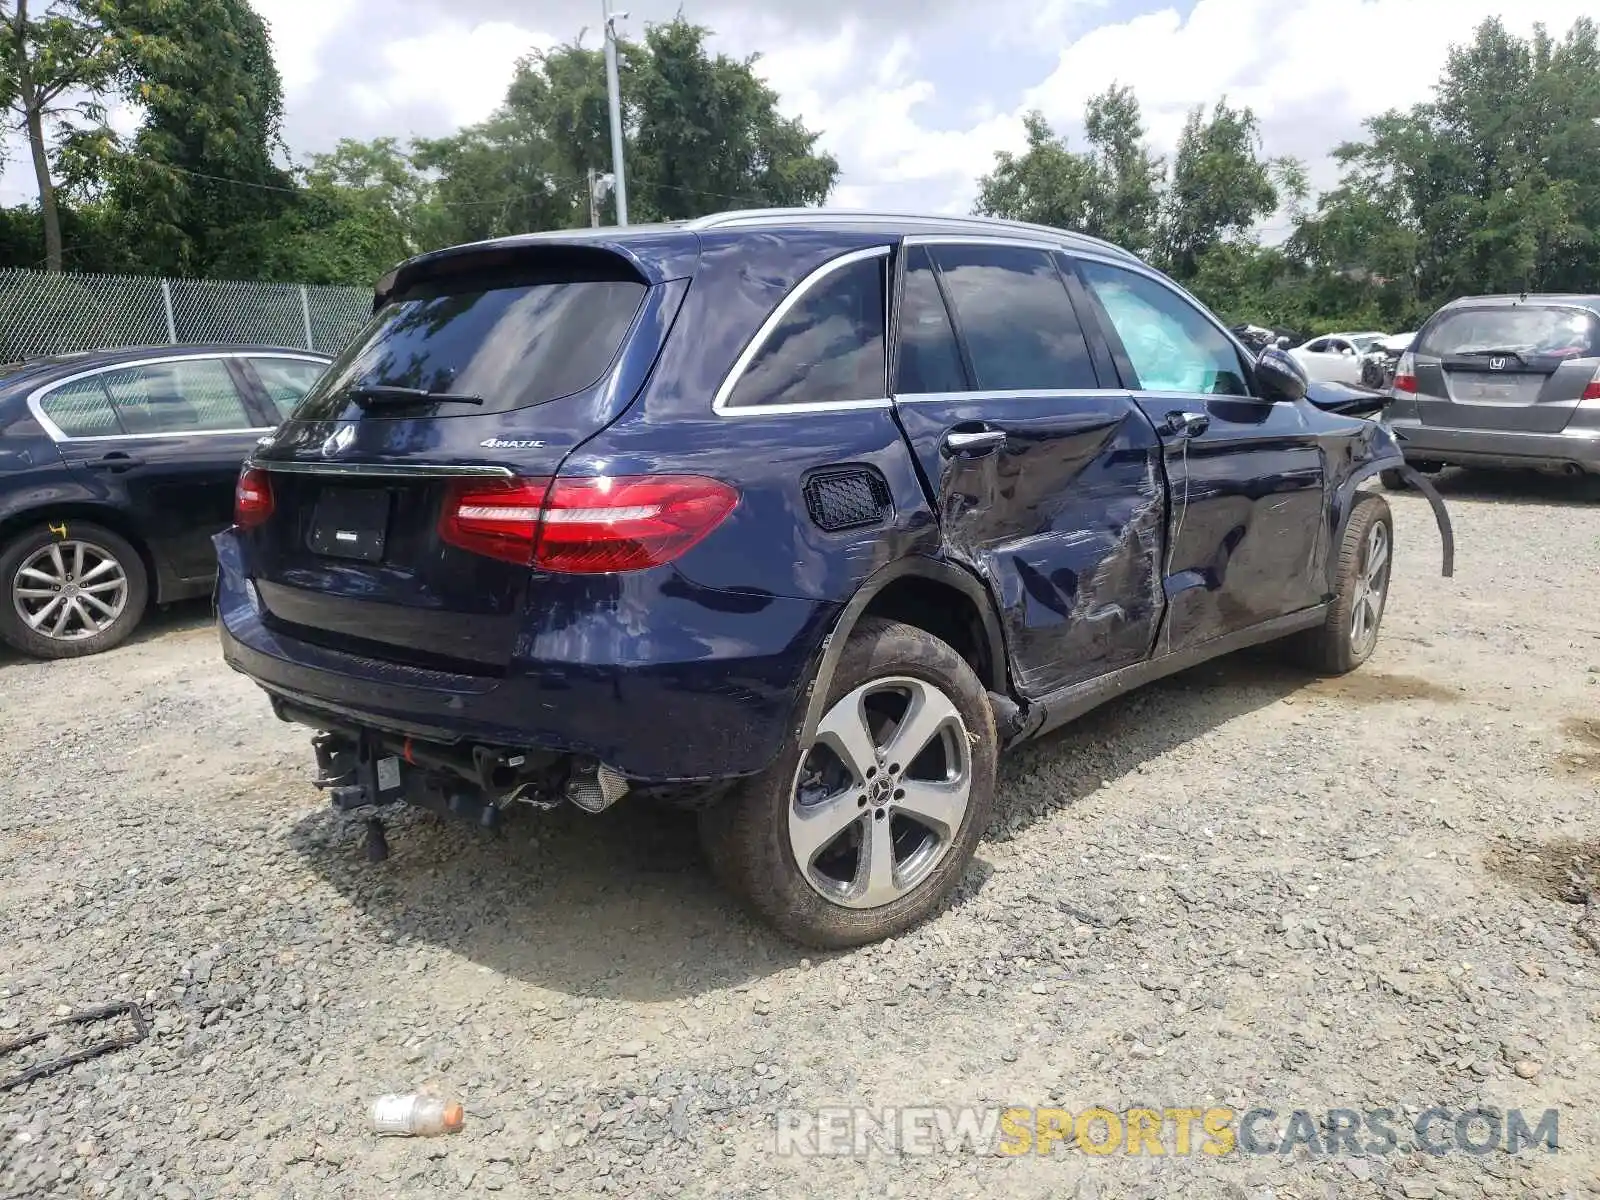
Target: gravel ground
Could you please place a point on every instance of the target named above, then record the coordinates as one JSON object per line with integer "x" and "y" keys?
{"x": 1240, "y": 887}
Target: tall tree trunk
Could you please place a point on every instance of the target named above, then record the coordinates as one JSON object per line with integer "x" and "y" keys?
{"x": 34, "y": 120}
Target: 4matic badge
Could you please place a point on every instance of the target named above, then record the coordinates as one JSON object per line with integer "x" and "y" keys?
{"x": 495, "y": 443}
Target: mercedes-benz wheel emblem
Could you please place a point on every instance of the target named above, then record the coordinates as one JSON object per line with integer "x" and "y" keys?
{"x": 339, "y": 441}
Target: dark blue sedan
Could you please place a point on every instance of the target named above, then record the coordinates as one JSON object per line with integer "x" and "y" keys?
{"x": 116, "y": 469}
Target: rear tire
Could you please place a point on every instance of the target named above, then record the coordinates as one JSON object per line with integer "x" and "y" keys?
{"x": 864, "y": 832}
{"x": 1393, "y": 480}
{"x": 1349, "y": 634}
{"x": 102, "y": 585}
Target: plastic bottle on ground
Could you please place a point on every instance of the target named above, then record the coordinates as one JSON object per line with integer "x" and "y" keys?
{"x": 416, "y": 1116}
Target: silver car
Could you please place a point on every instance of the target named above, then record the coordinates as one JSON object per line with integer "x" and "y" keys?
{"x": 1502, "y": 382}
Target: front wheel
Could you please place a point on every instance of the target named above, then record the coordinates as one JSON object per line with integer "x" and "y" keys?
{"x": 1349, "y": 633}
{"x": 70, "y": 589}
{"x": 860, "y": 834}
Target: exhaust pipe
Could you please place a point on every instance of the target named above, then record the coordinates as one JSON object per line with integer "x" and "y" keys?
{"x": 595, "y": 787}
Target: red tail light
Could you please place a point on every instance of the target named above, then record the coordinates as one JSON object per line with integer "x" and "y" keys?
{"x": 494, "y": 518}
{"x": 252, "y": 498}
{"x": 586, "y": 526}
{"x": 1405, "y": 374}
{"x": 1592, "y": 392}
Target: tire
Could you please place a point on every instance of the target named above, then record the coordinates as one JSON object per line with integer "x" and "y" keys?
{"x": 123, "y": 586}
{"x": 1393, "y": 480}
{"x": 1337, "y": 646}
{"x": 845, "y": 896}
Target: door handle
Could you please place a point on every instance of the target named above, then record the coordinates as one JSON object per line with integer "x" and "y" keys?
{"x": 971, "y": 442}
{"x": 1186, "y": 424}
{"x": 115, "y": 461}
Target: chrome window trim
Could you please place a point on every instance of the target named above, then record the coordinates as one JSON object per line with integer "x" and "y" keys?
{"x": 393, "y": 470}
{"x": 55, "y": 433}
{"x": 1006, "y": 394}
{"x": 983, "y": 239}
{"x": 719, "y": 403}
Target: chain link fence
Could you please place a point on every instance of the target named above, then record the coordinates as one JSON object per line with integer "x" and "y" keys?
{"x": 57, "y": 314}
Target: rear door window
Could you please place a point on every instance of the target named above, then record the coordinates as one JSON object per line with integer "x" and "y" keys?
{"x": 188, "y": 396}
{"x": 1525, "y": 330}
{"x": 513, "y": 346}
{"x": 929, "y": 356}
{"x": 1016, "y": 318}
{"x": 827, "y": 349}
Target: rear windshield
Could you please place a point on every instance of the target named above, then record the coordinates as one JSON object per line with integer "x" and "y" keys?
{"x": 512, "y": 346}
{"x": 1546, "y": 332}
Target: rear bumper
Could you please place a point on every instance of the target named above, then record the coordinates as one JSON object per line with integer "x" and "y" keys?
{"x": 712, "y": 691}
{"x": 1498, "y": 448}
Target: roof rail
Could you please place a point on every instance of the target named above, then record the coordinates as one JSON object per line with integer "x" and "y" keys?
{"x": 781, "y": 216}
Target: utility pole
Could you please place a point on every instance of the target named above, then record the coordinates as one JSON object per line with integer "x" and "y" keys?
{"x": 614, "y": 95}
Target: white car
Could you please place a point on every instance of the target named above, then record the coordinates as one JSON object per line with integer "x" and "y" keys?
{"x": 1336, "y": 357}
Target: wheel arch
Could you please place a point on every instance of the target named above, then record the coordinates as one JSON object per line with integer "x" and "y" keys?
{"x": 118, "y": 522}
{"x": 933, "y": 595}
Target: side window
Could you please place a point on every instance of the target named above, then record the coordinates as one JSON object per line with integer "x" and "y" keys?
{"x": 1335, "y": 346}
{"x": 286, "y": 380}
{"x": 81, "y": 409}
{"x": 829, "y": 347}
{"x": 1016, "y": 319}
{"x": 1320, "y": 346}
{"x": 930, "y": 359}
{"x": 1172, "y": 345}
{"x": 177, "y": 397}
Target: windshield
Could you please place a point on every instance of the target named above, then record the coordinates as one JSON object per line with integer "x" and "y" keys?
{"x": 1364, "y": 342}
{"x": 510, "y": 346}
{"x": 1546, "y": 332}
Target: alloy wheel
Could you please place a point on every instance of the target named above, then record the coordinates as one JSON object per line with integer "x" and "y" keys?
{"x": 882, "y": 792}
{"x": 70, "y": 590}
{"x": 1372, "y": 584}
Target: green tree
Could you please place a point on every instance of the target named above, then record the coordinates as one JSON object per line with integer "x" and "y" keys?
{"x": 702, "y": 133}
{"x": 199, "y": 182}
{"x": 1111, "y": 191}
{"x": 58, "y": 61}
{"x": 1492, "y": 186}
{"x": 1220, "y": 187}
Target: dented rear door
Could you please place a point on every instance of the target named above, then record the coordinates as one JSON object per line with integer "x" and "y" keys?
{"x": 1046, "y": 476}
{"x": 1247, "y": 530}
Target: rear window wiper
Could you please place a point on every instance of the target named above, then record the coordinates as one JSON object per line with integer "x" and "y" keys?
{"x": 385, "y": 393}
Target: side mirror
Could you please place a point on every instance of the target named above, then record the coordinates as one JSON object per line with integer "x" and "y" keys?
{"x": 1279, "y": 377}
{"x": 1282, "y": 343}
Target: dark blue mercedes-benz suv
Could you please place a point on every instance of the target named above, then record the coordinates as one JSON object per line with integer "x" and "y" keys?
{"x": 794, "y": 517}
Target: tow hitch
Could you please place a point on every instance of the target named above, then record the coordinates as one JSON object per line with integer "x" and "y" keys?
{"x": 366, "y": 771}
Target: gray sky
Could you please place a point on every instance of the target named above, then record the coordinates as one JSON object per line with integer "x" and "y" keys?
{"x": 913, "y": 96}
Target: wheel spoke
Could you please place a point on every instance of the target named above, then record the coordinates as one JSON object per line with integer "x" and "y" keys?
{"x": 1377, "y": 556}
{"x": 27, "y": 593}
{"x": 38, "y": 619}
{"x": 99, "y": 569}
{"x": 109, "y": 585}
{"x": 107, "y": 609}
{"x": 38, "y": 576}
{"x": 62, "y": 617}
{"x": 814, "y": 826}
{"x": 88, "y": 623}
{"x": 77, "y": 561}
{"x": 58, "y": 562}
{"x": 874, "y": 883}
{"x": 930, "y": 711}
{"x": 844, "y": 731}
{"x": 939, "y": 806}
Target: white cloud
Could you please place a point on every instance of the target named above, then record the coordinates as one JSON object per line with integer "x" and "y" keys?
{"x": 460, "y": 71}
